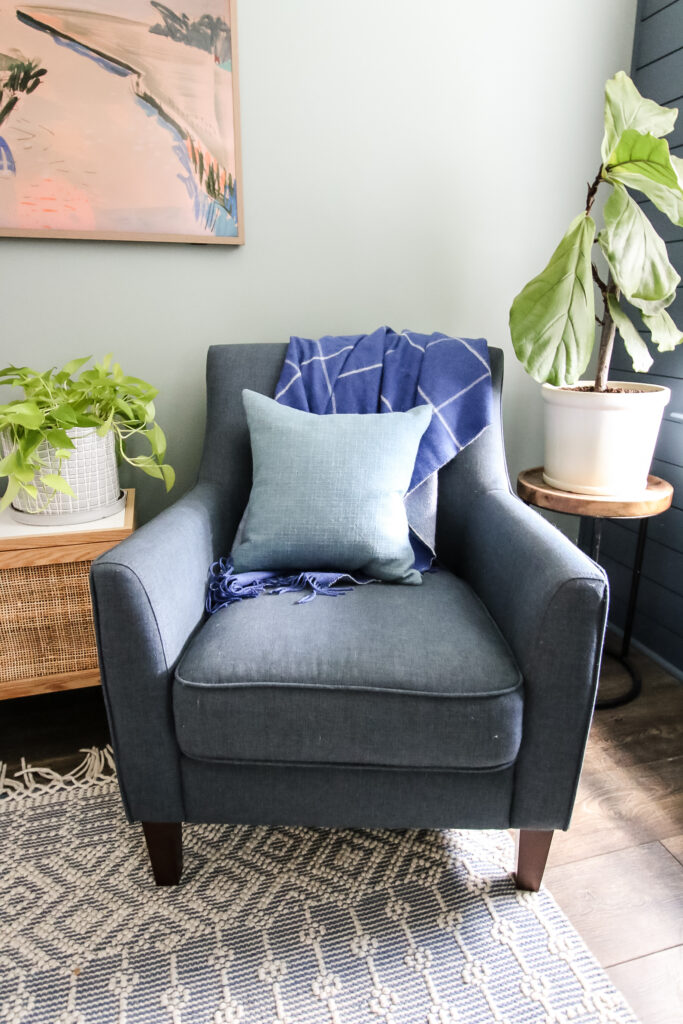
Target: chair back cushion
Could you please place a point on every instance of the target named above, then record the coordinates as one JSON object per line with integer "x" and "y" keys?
{"x": 226, "y": 457}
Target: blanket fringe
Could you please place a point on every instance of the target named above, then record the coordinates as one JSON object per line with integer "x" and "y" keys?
{"x": 96, "y": 768}
{"x": 226, "y": 586}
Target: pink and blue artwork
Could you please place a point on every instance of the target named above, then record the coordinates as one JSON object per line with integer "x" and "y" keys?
{"x": 119, "y": 119}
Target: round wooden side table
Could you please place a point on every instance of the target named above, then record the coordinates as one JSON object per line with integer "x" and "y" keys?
{"x": 656, "y": 498}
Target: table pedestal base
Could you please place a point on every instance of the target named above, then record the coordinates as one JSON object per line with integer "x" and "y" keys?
{"x": 622, "y": 656}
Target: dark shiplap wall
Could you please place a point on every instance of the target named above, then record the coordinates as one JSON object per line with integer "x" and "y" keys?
{"x": 658, "y": 72}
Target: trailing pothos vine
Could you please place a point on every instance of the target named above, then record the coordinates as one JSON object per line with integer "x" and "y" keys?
{"x": 102, "y": 398}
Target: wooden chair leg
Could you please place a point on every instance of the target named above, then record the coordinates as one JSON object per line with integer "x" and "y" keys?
{"x": 534, "y": 847}
{"x": 165, "y": 848}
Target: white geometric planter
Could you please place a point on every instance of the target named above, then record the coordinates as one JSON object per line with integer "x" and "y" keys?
{"x": 92, "y": 473}
{"x": 599, "y": 442}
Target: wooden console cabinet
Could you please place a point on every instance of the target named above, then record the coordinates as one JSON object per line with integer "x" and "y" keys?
{"x": 47, "y": 638}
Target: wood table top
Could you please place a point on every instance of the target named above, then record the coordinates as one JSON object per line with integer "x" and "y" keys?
{"x": 16, "y": 536}
{"x": 655, "y": 498}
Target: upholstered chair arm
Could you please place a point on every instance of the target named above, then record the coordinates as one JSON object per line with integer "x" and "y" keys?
{"x": 148, "y": 598}
{"x": 550, "y": 602}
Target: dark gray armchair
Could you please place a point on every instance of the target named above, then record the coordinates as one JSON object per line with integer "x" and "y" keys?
{"x": 463, "y": 703}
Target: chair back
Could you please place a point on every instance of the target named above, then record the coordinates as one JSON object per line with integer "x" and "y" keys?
{"x": 226, "y": 457}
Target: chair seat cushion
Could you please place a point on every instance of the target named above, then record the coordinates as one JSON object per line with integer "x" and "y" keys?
{"x": 388, "y": 676}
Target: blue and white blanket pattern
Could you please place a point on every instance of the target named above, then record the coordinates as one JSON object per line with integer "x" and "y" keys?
{"x": 380, "y": 372}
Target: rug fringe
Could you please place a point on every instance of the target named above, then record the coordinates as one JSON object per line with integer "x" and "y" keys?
{"x": 96, "y": 767}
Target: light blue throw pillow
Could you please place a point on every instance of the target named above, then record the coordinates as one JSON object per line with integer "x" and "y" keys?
{"x": 328, "y": 491}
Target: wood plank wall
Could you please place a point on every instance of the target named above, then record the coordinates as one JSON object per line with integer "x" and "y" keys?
{"x": 657, "y": 70}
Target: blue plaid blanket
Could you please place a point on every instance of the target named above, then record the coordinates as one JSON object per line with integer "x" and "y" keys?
{"x": 380, "y": 372}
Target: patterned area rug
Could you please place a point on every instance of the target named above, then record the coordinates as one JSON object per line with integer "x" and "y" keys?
{"x": 272, "y": 925}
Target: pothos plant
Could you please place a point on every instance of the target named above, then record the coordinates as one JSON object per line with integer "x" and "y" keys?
{"x": 102, "y": 398}
{"x": 552, "y": 320}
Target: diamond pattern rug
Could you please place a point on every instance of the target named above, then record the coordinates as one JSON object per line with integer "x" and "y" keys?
{"x": 272, "y": 925}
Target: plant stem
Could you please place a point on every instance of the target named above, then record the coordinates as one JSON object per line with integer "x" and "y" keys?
{"x": 592, "y": 190}
{"x": 606, "y": 345}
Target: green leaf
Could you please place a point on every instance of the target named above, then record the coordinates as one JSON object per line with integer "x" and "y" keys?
{"x": 157, "y": 440}
{"x": 10, "y": 494}
{"x": 665, "y": 334}
{"x": 8, "y": 465}
{"x": 147, "y": 464}
{"x": 626, "y": 108}
{"x": 86, "y": 419}
{"x": 31, "y": 490}
{"x": 635, "y": 346}
{"x": 59, "y": 439}
{"x": 57, "y": 483}
{"x": 552, "y": 320}
{"x": 637, "y": 159}
{"x": 124, "y": 407}
{"x": 168, "y": 474}
{"x": 668, "y": 200}
{"x": 636, "y": 254}
{"x": 23, "y": 414}
{"x": 75, "y": 364}
{"x": 23, "y": 472}
{"x": 65, "y": 415}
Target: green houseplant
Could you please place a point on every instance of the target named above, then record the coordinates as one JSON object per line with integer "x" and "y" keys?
{"x": 594, "y": 442}
{"x": 65, "y": 417}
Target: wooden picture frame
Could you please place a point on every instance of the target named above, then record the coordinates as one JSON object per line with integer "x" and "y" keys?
{"x": 119, "y": 120}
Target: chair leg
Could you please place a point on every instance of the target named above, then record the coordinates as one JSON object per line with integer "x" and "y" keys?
{"x": 534, "y": 847}
{"x": 165, "y": 848}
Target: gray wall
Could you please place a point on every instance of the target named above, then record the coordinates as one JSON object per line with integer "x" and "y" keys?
{"x": 404, "y": 163}
{"x": 658, "y": 73}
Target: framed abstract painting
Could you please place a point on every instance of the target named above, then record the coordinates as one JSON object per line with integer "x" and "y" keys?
{"x": 119, "y": 119}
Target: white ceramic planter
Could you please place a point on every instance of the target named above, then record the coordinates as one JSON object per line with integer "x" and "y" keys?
{"x": 600, "y": 442}
{"x": 92, "y": 473}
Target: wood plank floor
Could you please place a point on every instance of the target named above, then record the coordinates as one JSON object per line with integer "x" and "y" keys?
{"x": 617, "y": 873}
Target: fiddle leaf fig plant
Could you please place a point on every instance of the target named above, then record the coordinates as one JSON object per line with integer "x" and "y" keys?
{"x": 101, "y": 397}
{"x": 552, "y": 320}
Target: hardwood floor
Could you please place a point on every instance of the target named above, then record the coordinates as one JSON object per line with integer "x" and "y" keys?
{"x": 617, "y": 873}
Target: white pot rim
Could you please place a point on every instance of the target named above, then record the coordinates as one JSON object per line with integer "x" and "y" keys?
{"x": 634, "y": 391}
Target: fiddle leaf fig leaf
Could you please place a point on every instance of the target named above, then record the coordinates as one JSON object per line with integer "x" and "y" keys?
{"x": 665, "y": 334}
{"x": 636, "y": 254}
{"x": 668, "y": 200}
{"x": 637, "y": 159}
{"x": 552, "y": 320}
{"x": 635, "y": 346}
{"x": 626, "y": 108}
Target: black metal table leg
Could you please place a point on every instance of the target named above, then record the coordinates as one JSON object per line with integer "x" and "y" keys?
{"x": 596, "y": 538}
{"x": 622, "y": 656}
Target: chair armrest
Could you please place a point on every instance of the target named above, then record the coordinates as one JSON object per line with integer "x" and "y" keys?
{"x": 550, "y": 602}
{"x": 148, "y": 600}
